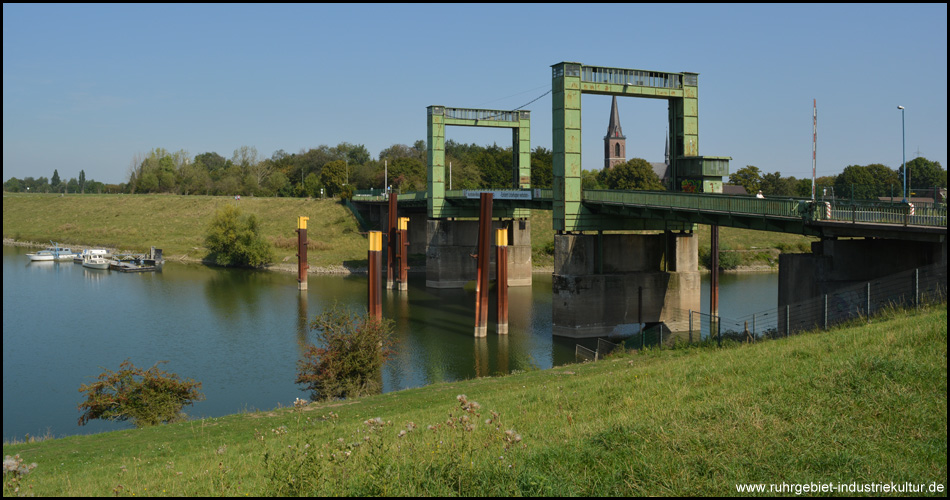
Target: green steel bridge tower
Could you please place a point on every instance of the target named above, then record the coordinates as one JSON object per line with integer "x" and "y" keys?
{"x": 690, "y": 172}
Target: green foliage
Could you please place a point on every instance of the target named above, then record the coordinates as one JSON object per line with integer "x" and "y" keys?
{"x": 542, "y": 168}
{"x": 865, "y": 182}
{"x": 144, "y": 397}
{"x": 590, "y": 179}
{"x": 472, "y": 452}
{"x": 636, "y": 174}
{"x": 923, "y": 173}
{"x": 350, "y": 362}
{"x": 407, "y": 173}
{"x": 775, "y": 185}
{"x": 749, "y": 177}
{"x": 727, "y": 260}
{"x": 234, "y": 239}
{"x": 13, "y": 185}
{"x": 784, "y": 408}
{"x": 333, "y": 176}
{"x": 311, "y": 185}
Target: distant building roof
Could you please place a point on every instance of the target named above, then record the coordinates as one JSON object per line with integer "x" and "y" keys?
{"x": 733, "y": 190}
{"x": 662, "y": 170}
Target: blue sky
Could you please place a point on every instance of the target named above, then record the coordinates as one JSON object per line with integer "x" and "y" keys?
{"x": 89, "y": 87}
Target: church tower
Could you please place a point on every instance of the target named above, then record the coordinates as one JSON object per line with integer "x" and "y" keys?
{"x": 615, "y": 144}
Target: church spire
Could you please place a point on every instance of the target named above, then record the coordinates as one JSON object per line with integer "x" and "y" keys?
{"x": 613, "y": 128}
{"x": 615, "y": 144}
{"x": 666, "y": 156}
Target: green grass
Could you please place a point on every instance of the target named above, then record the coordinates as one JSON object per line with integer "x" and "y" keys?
{"x": 177, "y": 224}
{"x": 864, "y": 404}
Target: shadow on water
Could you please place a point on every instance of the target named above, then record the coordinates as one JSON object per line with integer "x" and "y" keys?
{"x": 240, "y": 333}
{"x": 234, "y": 293}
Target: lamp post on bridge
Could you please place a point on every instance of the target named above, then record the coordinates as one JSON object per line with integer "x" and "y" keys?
{"x": 903, "y": 153}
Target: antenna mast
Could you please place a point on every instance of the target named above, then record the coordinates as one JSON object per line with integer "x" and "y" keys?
{"x": 814, "y": 144}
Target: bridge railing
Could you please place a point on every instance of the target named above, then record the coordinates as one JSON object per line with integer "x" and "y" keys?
{"x": 882, "y": 213}
{"x": 777, "y": 207}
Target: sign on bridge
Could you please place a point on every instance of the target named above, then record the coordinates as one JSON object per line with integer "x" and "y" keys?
{"x": 499, "y": 194}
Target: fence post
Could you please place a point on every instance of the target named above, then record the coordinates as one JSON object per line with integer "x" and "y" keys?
{"x": 640, "y": 316}
{"x": 786, "y": 320}
{"x": 868, "y": 307}
{"x": 690, "y": 326}
{"x": 718, "y": 331}
{"x": 826, "y": 312}
{"x": 917, "y": 288}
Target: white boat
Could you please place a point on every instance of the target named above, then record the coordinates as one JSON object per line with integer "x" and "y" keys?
{"x": 89, "y": 252}
{"x": 54, "y": 252}
{"x": 95, "y": 261}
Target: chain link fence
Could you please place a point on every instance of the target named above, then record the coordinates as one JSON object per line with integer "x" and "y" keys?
{"x": 910, "y": 289}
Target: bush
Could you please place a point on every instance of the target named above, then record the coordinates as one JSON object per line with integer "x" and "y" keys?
{"x": 351, "y": 360}
{"x": 234, "y": 239}
{"x": 727, "y": 260}
{"x": 146, "y": 398}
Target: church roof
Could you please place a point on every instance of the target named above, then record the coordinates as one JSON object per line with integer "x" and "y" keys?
{"x": 613, "y": 128}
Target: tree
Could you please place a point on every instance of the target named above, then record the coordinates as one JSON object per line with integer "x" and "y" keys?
{"x": 350, "y": 361}
{"x": 749, "y": 177}
{"x": 211, "y": 161}
{"x": 542, "y": 168}
{"x": 333, "y": 176}
{"x": 145, "y": 397}
{"x": 590, "y": 179}
{"x": 82, "y": 181}
{"x": 636, "y": 174}
{"x": 407, "y": 173}
{"x": 55, "y": 181}
{"x": 311, "y": 186}
{"x": 775, "y": 185}
{"x": 234, "y": 239}
{"x": 13, "y": 185}
{"x": 865, "y": 182}
{"x": 923, "y": 174}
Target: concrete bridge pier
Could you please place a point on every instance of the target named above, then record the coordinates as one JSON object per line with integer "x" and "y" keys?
{"x": 450, "y": 245}
{"x": 835, "y": 264}
{"x": 598, "y": 279}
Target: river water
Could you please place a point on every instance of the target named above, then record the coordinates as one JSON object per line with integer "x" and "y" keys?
{"x": 240, "y": 333}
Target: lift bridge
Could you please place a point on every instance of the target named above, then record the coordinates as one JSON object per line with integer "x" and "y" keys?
{"x": 597, "y": 266}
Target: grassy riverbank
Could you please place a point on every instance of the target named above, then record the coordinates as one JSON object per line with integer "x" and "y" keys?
{"x": 864, "y": 404}
{"x": 177, "y": 224}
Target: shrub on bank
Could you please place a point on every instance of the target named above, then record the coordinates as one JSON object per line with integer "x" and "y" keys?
{"x": 234, "y": 239}
{"x": 144, "y": 397}
{"x": 350, "y": 361}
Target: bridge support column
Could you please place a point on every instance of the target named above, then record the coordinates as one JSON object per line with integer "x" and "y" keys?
{"x": 597, "y": 278}
{"x": 450, "y": 245}
{"x": 837, "y": 264}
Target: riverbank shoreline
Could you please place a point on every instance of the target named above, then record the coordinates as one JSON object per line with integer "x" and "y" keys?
{"x": 343, "y": 269}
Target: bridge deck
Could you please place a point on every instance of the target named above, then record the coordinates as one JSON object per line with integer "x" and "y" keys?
{"x": 789, "y": 215}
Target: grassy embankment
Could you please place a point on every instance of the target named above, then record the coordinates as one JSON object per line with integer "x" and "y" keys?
{"x": 863, "y": 404}
{"x": 177, "y": 224}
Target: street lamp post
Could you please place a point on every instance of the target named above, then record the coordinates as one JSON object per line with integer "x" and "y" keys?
{"x": 903, "y": 154}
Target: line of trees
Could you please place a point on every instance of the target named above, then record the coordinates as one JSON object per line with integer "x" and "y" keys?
{"x": 55, "y": 184}
{"x": 341, "y": 169}
{"x": 859, "y": 182}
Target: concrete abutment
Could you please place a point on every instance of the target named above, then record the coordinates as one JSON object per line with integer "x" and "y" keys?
{"x": 451, "y": 245}
{"x": 606, "y": 285}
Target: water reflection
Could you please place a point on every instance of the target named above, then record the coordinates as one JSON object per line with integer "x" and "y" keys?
{"x": 241, "y": 333}
{"x": 303, "y": 321}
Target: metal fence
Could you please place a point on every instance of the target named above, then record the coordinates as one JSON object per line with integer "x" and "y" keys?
{"x": 860, "y": 301}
